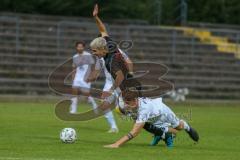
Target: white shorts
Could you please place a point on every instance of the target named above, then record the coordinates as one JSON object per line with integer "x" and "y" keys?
{"x": 167, "y": 117}
{"x": 107, "y": 86}
{"x": 81, "y": 84}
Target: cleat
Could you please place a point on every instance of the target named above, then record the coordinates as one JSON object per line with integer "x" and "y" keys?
{"x": 169, "y": 140}
{"x": 113, "y": 130}
{"x": 73, "y": 112}
{"x": 193, "y": 134}
{"x": 155, "y": 140}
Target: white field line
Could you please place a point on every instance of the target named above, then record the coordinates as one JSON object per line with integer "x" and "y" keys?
{"x": 17, "y": 158}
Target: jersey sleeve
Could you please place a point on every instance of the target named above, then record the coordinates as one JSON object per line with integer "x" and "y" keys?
{"x": 111, "y": 45}
{"x": 98, "y": 64}
{"x": 143, "y": 116}
{"x": 88, "y": 59}
{"x": 125, "y": 56}
{"x": 74, "y": 63}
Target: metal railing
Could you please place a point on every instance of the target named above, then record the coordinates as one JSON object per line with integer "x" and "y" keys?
{"x": 62, "y": 29}
{"x": 177, "y": 39}
{"x": 157, "y": 37}
{"x": 17, "y": 28}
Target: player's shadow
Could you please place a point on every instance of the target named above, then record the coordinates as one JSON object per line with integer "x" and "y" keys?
{"x": 138, "y": 145}
{"x": 95, "y": 142}
{"x": 92, "y": 129}
{"x": 45, "y": 137}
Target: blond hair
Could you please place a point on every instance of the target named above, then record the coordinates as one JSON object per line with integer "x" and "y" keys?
{"x": 98, "y": 43}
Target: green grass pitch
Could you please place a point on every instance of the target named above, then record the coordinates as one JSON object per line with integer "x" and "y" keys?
{"x": 30, "y": 131}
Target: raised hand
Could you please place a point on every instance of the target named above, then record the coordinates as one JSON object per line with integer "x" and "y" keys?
{"x": 95, "y": 10}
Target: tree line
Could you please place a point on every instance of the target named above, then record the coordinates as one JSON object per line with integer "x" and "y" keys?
{"x": 152, "y": 11}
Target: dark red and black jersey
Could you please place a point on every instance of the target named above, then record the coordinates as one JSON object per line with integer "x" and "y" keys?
{"x": 114, "y": 60}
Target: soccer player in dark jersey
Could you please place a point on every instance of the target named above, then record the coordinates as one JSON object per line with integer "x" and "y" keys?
{"x": 105, "y": 47}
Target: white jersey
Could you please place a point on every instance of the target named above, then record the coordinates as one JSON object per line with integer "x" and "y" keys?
{"x": 155, "y": 112}
{"x": 82, "y": 63}
{"x": 108, "y": 77}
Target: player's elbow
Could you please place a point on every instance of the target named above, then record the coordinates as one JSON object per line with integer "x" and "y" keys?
{"x": 104, "y": 33}
{"x": 180, "y": 126}
{"x": 129, "y": 62}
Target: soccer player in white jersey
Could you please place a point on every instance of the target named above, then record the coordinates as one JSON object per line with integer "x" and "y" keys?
{"x": 79, "y": 75}
{"x": 108, "y": 84}
{"x": 155, "y": 112}
{"x": 82, "y": 61}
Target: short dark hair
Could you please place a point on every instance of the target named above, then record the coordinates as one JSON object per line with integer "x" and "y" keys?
{"x": 129, "y": 95}
{"x": 80, "y": 42}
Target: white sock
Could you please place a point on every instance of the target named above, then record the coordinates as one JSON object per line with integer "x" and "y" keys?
{"x": 163, "y": 135}
{"x": 110, "y": 119}
{"x": 186, "y": 126}
{"x": 92, "y": 101}
{"x": 74, "y": 105}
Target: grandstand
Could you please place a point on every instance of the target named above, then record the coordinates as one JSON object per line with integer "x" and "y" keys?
{"x": 31, "y": 46}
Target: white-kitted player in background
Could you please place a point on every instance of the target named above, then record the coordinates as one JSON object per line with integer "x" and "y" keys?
{"x": 179, "y": 95}
{"x": 80, "y": 72}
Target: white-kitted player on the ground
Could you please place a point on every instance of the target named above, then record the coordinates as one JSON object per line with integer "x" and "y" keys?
{"x": 152, "y": 111}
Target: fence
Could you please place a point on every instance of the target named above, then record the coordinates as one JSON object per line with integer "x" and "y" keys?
{"x": 10, "y": 33}
{"x": 195, "y": 57}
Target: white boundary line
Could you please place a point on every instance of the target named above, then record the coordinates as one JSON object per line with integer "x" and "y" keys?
{"x": 27, "y": 158}
{"x": 9, "y": 158}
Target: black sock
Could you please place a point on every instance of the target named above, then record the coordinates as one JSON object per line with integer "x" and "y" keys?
{"x": 152, "y": 129}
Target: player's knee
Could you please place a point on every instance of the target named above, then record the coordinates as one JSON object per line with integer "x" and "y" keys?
{"x": 172, "y": 130}
{"x": 180, "y": 126}
{"x": 74, "y": 91}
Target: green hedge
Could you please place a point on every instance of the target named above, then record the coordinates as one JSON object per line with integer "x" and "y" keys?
{"x": 215, "y": 11}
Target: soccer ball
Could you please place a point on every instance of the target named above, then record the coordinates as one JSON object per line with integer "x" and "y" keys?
{"x": 68, "y": 135}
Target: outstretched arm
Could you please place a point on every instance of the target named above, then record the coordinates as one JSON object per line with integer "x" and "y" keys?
{"x": 134, "y": 132}
{"x": 101, "y": 26}
{"x": 95, "y": 70}
{"x": 74, "y": 67}
{"x": 118, "y": 80}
